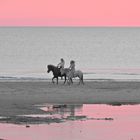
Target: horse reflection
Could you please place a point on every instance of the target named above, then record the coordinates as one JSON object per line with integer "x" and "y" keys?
{"x": 64, "y": 110}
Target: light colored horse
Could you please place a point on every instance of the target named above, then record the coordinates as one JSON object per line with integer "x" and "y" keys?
{"x": 77, "y": 73}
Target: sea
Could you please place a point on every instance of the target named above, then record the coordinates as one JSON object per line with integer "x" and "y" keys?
{"x": 101, "y": 53}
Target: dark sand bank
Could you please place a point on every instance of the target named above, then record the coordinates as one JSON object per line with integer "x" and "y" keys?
{"x": 19, "y": 98}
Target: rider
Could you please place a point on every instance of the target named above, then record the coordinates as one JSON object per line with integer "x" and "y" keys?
{"x": 61, "y": 64}
{"x": 72, "y": 68}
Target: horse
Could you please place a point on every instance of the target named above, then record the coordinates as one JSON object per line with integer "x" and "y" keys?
{"x": 56, "y": 73}
{"x": 77, "y": 73}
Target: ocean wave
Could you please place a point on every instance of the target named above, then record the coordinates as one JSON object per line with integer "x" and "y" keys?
{"x": 21, "y": 78}
{"x": 87, "y": 76}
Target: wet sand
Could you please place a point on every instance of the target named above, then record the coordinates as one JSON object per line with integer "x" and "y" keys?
{"x": 76, "y": 122}
{"x": 19, "y": 98}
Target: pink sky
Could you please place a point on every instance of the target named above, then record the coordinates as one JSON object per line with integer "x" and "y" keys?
{"x": 69, "y": 12}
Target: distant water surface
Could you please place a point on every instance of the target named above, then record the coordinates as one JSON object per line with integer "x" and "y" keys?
{"x": 99, "y": 52}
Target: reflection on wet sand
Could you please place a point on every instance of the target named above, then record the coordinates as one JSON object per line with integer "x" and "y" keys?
{"x": 125, "y": 125}
{"x": 69, "y": 112}
{"x": 63, "y": 110}
{"x": 53, "y": 114}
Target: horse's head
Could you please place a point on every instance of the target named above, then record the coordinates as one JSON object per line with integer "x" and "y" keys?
{"x": 50, "y": 68}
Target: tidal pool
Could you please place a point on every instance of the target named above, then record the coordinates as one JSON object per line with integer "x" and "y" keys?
{"x": 79, "y": 122}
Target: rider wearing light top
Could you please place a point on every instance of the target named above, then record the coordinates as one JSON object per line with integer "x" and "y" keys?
{"x": 61, "y": 64}
{"x": 72, "y": 68}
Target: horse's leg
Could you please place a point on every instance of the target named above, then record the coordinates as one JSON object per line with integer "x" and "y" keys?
{"x": 83, "y": 82}
{"x": 52, "y": 80}
{"x": 65, "y": 79}
{"x": 79, "y": 81}
{"x": 71, "y": 80}
{"x": 70, "y": 76}
{"x": 57, "y": 80}
{"x": 68, "y": 81}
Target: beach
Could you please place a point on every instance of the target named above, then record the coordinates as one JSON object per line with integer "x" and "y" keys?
{"x": 33, "y": 108}
{"x": 20, "y": 97}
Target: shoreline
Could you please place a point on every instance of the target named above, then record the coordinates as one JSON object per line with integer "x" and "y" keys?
{"x": 20, "y": 98}
{"x": 60, "y": 81}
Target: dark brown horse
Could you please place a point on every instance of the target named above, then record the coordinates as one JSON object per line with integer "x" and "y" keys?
{"x": 56, "y": 73}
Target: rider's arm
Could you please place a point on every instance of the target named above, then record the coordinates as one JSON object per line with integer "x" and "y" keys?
{"x": 70, "y": 67}
{"x": 59, "y": 65}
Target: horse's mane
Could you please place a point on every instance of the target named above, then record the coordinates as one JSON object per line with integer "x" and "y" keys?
{"x": 51, "y": 66}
